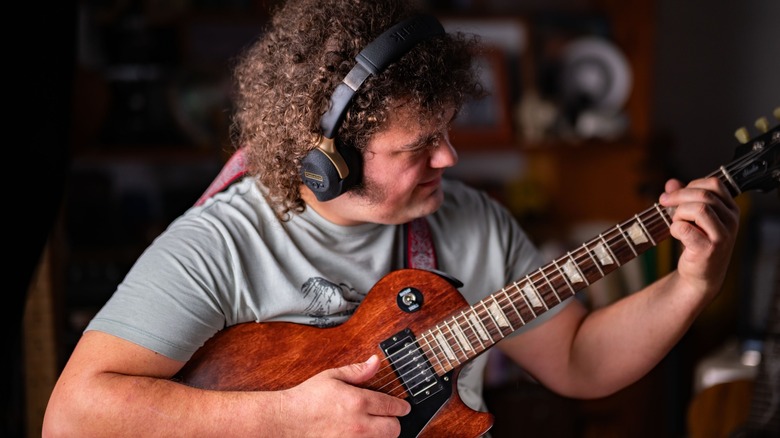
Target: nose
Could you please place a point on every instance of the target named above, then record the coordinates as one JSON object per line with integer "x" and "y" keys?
{"x": 444, "y": 154}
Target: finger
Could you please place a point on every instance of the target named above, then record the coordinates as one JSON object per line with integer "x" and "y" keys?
{"x": 696, "y": 226}
{"x": 374, "y": 403}
{"x": 357, "y": 372}
{"x": 673, "y": 185}
{"x": 707, "y": 192}
{"x": 377, "y": 403}
{"x": 386, "y": 426}
{"x": 384, "y": 405}
{"x": 701, "y": 190}
{"x": 702, "y": 200}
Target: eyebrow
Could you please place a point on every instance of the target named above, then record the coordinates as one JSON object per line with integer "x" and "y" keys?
{"x": 427, "y": 138}
{"x": 420, "y": 141}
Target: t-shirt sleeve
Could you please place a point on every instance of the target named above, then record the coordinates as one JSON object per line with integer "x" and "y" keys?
{"x": 170, "y": 301}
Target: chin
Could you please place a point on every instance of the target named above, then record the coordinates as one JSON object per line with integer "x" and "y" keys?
{"x": 430, "y": 204}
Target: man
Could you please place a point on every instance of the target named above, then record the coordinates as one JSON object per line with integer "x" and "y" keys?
{"x": 299, "y": 241}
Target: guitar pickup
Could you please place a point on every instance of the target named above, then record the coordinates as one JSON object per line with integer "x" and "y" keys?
{"x": 411, "y": 365}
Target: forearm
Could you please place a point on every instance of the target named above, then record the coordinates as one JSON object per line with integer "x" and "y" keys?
{"x": 114, "y": 405}
{"x": 616, "y": 345}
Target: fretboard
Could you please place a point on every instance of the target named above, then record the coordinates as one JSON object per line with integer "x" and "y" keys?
{"x": 477, "y": 328}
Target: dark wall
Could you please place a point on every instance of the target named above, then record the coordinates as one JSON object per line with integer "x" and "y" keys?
{"x": 717, "y": 68}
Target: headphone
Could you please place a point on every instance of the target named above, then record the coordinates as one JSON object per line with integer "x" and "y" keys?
{"x": 333, "y": 167}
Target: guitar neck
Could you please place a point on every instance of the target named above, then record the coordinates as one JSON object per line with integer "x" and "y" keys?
{"x": 472, "y": 330}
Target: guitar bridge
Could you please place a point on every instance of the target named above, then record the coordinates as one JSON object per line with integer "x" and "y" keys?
{"x": 411, "y": 365}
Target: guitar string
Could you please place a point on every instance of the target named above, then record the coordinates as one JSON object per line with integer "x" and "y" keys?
{"x": 648, "y": 224}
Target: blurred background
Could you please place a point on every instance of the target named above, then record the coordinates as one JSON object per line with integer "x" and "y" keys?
{"x": 594, "y": 104}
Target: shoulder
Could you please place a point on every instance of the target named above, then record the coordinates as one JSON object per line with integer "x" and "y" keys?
{"x": 471, "y": 218}
{"x": 463, "y": 202}
{"x": 222, "y": 224}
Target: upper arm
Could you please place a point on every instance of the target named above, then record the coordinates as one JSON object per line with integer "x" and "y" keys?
{"x": 100, "y": 353}
{"x": 97, "y": 359}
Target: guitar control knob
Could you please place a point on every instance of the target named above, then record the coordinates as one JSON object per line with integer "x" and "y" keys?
{"x": 409, "y": 299}
{"x": 776, "y": 113}
{"x": 742, "y": 135}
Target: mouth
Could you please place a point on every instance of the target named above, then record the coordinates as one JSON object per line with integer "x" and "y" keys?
{"x": 431, "y": 183}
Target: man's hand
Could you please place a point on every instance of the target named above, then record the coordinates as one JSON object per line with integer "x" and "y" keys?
{"x": 330, "y": 405}
{"x": 705, "y": 221}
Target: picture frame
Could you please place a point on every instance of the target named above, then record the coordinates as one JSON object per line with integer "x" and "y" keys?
{"x": 503, "y": 66}
{"x": 486, "y": 123}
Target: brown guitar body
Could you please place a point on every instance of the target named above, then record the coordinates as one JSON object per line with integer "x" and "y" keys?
{"x": 278, "y": 355}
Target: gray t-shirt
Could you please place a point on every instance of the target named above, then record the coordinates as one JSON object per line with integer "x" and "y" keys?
{"x": 231, "y": 260}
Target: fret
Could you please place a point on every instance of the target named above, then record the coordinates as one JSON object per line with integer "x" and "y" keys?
{"x": 499, "y": 315}
{"x": 572, "y": 262}
{"x": 455, "y": 341}
{"x": 601, "y": 251}
{"x": 495, "y": 323}
{"x": 432, "y": 347}
{"x": 527, "y": 303}
{"x": 477, "y": 323}
{"x": 470, "y": 333}
{"x": 635, "y": 233}
{"x": 647, "y": 233}
{"x": 541, "y": 271}
{"x": 736, "y": 190}
{"x": 446, "y": 348}
{"x": 595, "y": 262}
{"x": 474, "y": 330}
{"x": 537, "y": 296}
{"x": 630, "y": 245}
{"x": 460, "y": 337}
{"x": 522, "y": 320}
{"x": 663, "y": 216}
{"x": 563, "y": 275}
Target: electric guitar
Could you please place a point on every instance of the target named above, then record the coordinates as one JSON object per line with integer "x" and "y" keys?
{"x": 423, "y": 329}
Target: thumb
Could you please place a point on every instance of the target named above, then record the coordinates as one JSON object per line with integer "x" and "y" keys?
{"x": 358, "y": 372}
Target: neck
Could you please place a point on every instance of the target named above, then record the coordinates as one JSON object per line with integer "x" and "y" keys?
{"x": 331, "y": 210}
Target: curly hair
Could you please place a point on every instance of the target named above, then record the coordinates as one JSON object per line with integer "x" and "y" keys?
{"x": 284, "y": 82}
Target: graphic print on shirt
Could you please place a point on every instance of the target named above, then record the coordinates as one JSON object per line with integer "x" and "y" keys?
{"x": 329, "y": 303}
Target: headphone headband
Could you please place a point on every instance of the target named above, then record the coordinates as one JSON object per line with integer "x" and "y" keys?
{"x": 374, "y": 59}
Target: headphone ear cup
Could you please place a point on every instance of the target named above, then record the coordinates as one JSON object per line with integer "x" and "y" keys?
{"x": 321, "y": 176}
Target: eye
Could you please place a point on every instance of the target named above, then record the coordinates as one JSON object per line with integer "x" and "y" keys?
{"x": 430, "y": 143}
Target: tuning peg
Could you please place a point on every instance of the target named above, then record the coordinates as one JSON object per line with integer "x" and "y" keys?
{"x": 776, "y": 113}
{"x": 762, "y": 124}
{"x": 742, "y": 135}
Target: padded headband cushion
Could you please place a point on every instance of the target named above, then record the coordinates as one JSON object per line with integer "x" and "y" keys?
{"x": 373, "y": 59}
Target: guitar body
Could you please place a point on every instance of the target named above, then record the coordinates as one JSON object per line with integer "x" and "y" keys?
{"x": 278, "y": 355}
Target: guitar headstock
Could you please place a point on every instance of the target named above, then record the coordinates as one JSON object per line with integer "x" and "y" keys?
{"x": 756, "y": 164}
